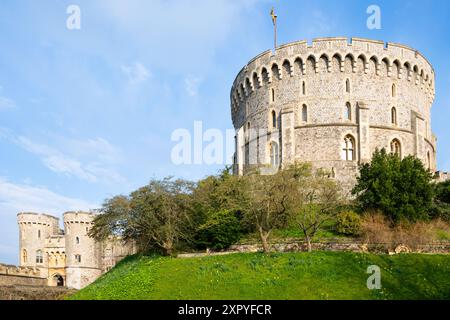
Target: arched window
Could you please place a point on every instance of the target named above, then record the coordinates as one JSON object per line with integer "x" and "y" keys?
{"x": 347, "y": 86}
{"x": 273, "y": 95}
{"x": 348, "y": 111}
{"x": 396, "y": 147}
{"x": 274, "y": 119}
{"x": 24, "y": 256}
{"x": 394, "y": 116}
{"x": 348, "y": 149}
{"x": 304, "y": 113}
{"x": 304, "y": 88}
{"x": 77, "y": 240}
{"x": 394, "y": 90}
{"x": 39, "y": 257}
{"x": 39, "y": 234}
{"x": 274, "y": 155}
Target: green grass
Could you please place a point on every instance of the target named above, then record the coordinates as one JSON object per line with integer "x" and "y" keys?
{"x": 318, "y": 275}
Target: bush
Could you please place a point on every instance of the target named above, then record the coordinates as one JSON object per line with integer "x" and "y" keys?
{"x": 221, "y": 230}
{"x": 440, "y": 210}
{"x": 376, "y": 229}
{"x": 443, "y": 192}
{"x": 348, "y": 223}
{"x": 400, "y": 188}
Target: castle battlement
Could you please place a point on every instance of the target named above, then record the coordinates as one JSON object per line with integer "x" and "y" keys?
{"x": 20, "y": 271}
{"x": 390, "y": 60}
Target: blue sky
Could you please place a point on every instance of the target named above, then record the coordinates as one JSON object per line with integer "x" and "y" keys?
{"x": 87, "y": 114}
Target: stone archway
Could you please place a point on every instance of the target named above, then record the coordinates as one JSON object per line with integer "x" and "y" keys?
{"x": 58, "y": 280}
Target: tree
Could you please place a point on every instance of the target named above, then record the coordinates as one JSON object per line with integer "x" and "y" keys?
{"x": 158, "y": 215}
{"x": 113, "y": 218}
{"x": 316, "y": 201}
{"x": 220, "y": 230}
{"x": 161, "y": 214}
{"x": 271, "y": 198}
{"x": 222, "y": 192}
{"x": 401, "y": 189}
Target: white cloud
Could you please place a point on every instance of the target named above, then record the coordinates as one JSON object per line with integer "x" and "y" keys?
{"x": 136, "y": 73}
{"x": 91, "y": 170}
{"x": 6, "y": 103}
{"x": 192, "y": 85}
{"x": 16, "y": 198}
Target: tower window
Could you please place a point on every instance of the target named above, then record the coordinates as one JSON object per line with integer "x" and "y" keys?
{"x": 304, "y": 88}
{"x": 39, "y": 234}
{"x": 24, "y": 256}
{"x": 78, "y": 258}
{"x": 274, "y": 119}
{"x": 273, "y": 95}
{"x": 304, "y": 113}
{"x": 394, "y": 90}
{"x": 396, "y": 147}
{"x": 429, "y": 160}
{"x": 348, "y": 149}
{"x": 77, "y": 240}
{"x": 39, "y": 257}
{"x": 348, "y": 111}
{"x": 347, "y": 86}
{"x": 394, "y": 116}
{"x": 274, "y": 155}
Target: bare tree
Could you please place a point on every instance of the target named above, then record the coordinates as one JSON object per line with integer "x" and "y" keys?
{"x": 271, "y": 199}
{"x": 316, "y": 202}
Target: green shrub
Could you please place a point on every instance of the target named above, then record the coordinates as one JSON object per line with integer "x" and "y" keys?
{"x": 443, "y": 192}
{"x": 400, "y": 188}
{"x": 348, "y": 223}
{"x": 221, "y": 230}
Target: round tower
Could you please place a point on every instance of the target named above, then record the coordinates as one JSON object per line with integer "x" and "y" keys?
{"x": 34, "y": 229}
{"x": 83, "y": 263}
{"x": 333, "y": 103}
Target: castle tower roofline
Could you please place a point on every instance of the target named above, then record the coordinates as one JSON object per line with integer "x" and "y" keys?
{"x": 332, "y": 45}
{"x": 33, "y": 214}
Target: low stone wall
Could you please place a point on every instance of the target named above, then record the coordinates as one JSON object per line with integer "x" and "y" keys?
{"x": 8, "y": 280}
{"x": 360, "y": 247}
{"x": 12, "y": 275}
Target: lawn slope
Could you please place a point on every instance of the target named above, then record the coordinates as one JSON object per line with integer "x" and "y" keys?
{"x": 318, "y": 275}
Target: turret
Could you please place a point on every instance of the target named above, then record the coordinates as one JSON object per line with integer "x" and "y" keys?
{"x": 83, "y": 264}
{"x": 34, "y": 229}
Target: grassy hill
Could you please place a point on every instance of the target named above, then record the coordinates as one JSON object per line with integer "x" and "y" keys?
{"x": 318, "y": 275}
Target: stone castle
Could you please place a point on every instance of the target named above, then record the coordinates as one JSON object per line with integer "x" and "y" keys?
{"x": 54, "y": 257}
{"x": 333, "y": 103}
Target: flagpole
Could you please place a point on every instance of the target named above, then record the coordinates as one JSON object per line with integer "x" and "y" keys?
{"x": 275, "y": 33}
{"x": 274, "y": 20}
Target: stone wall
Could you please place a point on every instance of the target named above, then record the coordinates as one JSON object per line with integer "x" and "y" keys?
{"x": 12, "y": 275}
